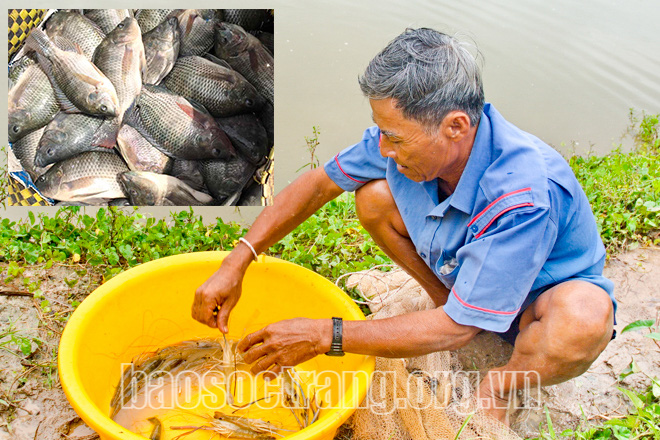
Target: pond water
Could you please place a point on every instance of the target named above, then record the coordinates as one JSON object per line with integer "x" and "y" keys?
{"x": 565, "y": 71}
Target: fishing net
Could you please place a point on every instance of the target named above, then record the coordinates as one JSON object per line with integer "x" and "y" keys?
{"x": 420, "y": 398}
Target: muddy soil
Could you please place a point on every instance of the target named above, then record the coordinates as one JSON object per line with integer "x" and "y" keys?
{"x": 33, "y": 405}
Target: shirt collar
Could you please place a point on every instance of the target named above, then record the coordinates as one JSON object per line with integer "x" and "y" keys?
{"x": 464, "y": 197}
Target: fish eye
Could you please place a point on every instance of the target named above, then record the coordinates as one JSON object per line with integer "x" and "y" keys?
{"x": 215, "y": 152}
{"x": 104, "y": 108}
{"x": 249, "y": 102}
{"x": 15, "y": 128}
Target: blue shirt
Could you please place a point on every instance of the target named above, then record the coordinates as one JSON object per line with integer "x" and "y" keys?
{"x": 517, "y": 223}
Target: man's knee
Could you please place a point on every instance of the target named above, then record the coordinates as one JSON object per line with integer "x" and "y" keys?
{"x": 374, "y": 203}
{"x": 582, "y": 315}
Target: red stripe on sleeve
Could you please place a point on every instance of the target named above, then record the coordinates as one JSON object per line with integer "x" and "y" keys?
{"x": 342, "y": 170}
{"x": 500, "y": 214}
{"x": 481, "y": 309}
{"x": 495, "y": 201}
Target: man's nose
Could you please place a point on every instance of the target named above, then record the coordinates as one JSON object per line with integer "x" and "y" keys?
{"x": 386, "y": 150}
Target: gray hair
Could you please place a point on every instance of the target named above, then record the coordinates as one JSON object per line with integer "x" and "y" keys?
{"x": 427, "y": 74}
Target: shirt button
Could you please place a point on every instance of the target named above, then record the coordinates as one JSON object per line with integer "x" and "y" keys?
{"x": 474, "y": 228}
{"x": 423, "y": 255}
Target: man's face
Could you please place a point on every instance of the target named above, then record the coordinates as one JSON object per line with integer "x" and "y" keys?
{"x": 419, "y": 156}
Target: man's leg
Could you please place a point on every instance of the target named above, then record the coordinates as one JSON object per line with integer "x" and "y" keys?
{"x": 380, "y": 216}
{"x": 561, "y": 334}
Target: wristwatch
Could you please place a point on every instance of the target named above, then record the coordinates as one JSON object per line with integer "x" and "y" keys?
{"x": 336, "y": 348}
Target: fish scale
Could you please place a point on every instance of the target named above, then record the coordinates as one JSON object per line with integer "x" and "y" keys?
{"x": 107, "y": 19}
{"x": 222, "y": 91}
{"x": 150, "y": 18}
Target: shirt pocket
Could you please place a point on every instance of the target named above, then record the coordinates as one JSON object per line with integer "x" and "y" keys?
{"x": 446, "y": 269}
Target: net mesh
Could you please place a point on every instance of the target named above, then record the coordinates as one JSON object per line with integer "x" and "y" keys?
{"x": 419, "y": 398}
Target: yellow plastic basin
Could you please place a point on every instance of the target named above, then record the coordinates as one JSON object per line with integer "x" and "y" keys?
{"x": 149, "y": 306}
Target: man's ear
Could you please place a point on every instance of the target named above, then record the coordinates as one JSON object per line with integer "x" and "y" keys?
{"x": 456, "y": 125}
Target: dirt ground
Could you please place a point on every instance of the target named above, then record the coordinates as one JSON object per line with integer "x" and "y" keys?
{"x": 33, "y": 405}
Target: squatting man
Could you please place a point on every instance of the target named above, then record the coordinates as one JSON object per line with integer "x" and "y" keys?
{"x": 487, "y": 218}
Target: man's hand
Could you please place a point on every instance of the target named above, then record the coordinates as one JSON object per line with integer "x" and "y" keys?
{"x": 219, "y": 293}
{"x": 286, "y": 343}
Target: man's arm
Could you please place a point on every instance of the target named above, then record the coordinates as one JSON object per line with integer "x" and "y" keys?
{"x": 293, "y": 205}
{"x": 290, "y": 342}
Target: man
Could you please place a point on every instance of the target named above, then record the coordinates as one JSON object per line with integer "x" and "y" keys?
{"x": 487, "y": 218}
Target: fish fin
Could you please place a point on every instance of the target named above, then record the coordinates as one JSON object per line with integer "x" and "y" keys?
{"x": 254, "y": 59}
{"x": 187, "y": 195}
{"x": 191, "y": 22}
{"x": 217, "y": 60}
{"x": 126, "y": 60}
{"x": 143, "y": 65}
{"x": 65, "y": 104}
{"x": 106, "y": 135}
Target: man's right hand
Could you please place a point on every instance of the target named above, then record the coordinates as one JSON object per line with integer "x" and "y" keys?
{"x": 290, "y": 208}
{"x": 219, "y": 293}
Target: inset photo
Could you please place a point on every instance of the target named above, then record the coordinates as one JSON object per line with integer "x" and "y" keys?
{"x": 142, "y": 107}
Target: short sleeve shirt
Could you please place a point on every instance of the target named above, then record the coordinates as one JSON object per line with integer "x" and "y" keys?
{"x": 517, "y": 223}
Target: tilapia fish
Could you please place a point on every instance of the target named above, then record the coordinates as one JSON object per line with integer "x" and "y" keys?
{"x": 90, "y": 177}
{"x": 139, "y": 154}
{"x": 77, "y": 29}
{"x": 226, "y": 179}
{"x": 177, "y": 127}
{"x": 247, "y": 135}
{"x": 150, "y": 18}
{"x": 107, "y": 19}
{"x": 120, "y": 57}
{"x": 145, "y": 188}
{"x": 197, "y": 31}
{"x": 68, "y": 135}
{"x": 246, "y": 54}
{"x": 25, "y": 149}
{"x": 161, "y": 49}
{"x": 221, "y": 90}
{"x": 31, "y": 101}
{"x": 79, "y": 85}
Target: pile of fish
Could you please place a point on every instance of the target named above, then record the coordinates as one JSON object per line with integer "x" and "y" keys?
{"x": 145, "y": 107}
{"x": 179, "y": 363}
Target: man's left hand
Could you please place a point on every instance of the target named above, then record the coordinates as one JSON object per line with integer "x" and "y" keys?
{"x": 286, "y": 343}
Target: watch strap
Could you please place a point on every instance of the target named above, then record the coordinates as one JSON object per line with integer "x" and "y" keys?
{"x": 336, "y": 347}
